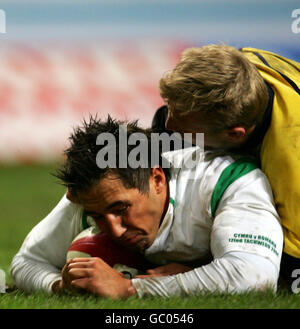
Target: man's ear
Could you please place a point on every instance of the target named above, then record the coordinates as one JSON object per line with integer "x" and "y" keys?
{"x": 71, "y": 197}
{"x": 236, "y": 134}
{"x": 159, "y": 179}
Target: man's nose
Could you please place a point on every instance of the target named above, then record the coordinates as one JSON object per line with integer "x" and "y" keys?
{"x": 115, "y": 226}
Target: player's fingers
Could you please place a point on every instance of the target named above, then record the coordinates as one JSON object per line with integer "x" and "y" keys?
{"x": 78, "y": 260}
{"x": 157, "y": 270}
{"x": 82, "y": 283}
{"x": 79, "y": 265}
{"x": 89, "y": 262}
{"x": 80, "y": 273}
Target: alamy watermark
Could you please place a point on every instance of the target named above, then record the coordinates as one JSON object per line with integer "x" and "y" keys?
{"x": 296, "y": 283}
{"x": 2, "y": 21}
{"x": 115, "y": 153}
{"x": 295, "y": 27}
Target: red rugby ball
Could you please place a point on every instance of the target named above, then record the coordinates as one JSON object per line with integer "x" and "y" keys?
{"x": 101, "y": 245}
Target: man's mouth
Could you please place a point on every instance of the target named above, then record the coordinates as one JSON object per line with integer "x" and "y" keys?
{"x": 135, "y": 241}
{"x": 131, "y": 239}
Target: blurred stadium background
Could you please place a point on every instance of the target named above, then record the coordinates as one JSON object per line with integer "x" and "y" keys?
{"x": 63, "y": 60}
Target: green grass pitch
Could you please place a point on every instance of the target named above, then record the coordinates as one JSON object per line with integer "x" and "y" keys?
{"x": 27, "y": 194}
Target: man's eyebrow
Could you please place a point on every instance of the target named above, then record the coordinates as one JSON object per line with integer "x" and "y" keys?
{"x": 115, "y": 204}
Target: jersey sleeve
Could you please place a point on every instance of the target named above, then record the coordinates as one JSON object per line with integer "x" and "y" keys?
{"x": 246, "y": 220}
{"x": 235, "y": 272}
{"x": 42, "y": 255}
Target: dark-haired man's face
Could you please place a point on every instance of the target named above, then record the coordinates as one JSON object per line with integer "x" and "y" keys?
{"x": 129, "y": 217}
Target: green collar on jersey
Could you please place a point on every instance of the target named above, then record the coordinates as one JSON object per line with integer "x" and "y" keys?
{"x": 230, "y": 174}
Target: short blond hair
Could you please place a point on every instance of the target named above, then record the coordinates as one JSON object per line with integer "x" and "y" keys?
{"x": 218, "y": 81}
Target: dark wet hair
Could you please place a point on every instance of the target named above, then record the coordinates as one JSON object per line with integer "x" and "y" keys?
{"x": 80, "y": 170}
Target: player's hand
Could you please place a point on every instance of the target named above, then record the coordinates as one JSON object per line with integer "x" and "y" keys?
{"x": 64, "y": 284}
{"x": 170, "y": 269}
{"x": 96, "y": 276}
{"x": 67, "y": 278}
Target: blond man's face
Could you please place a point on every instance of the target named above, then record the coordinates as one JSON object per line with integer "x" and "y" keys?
{"x": 193, "y": 123}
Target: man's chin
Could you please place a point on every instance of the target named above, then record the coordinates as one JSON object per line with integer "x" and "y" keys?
{"x": 140, "y": 246}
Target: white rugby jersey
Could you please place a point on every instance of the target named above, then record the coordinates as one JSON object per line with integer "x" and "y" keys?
{"x": 223, "y": 207}
{"x": 220, "y": 207}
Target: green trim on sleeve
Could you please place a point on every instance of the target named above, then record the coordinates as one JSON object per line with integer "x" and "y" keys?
{"x": 230, "y": 174}
{"x": 84, "y": 222}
